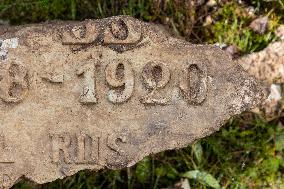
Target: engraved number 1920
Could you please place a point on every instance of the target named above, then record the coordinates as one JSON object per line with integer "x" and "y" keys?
{"x": 119, "y": 76}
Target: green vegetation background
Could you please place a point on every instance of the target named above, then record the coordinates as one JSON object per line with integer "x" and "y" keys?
{"x": 246, "y": 153}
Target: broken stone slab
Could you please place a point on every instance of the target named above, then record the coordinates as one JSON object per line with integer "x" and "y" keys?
{"x": 106, "y": 93}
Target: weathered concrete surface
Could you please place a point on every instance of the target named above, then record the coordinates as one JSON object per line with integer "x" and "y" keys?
{"x": 106, "y": 93}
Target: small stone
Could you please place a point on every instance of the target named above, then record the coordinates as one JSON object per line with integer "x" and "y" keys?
{"x": 208, "y": 21}
{"x": 276, "y": 93}
{"x": 240, "y": 2}
{"x": 280, "y": 32}
{"x": 211, "y": 3}
{"x": 182, "y": 184}
{"x": 233, "y": 51}
{"x": 271, "y": 106}
{"x": 221, "y": 45}
{"x": 260, "y": 25}
{"x": 198, "y": 2}
{"x": 250, "y": 11}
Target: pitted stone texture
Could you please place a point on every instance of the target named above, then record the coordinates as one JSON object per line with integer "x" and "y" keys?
{"x": 106, "y": 93}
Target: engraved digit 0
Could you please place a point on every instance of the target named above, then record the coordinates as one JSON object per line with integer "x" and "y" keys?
{"x": 156, "y": 75}
{"x": 88, "y": 95}
{"x": 119, "y": 75}
{"x": 193, "y": 84}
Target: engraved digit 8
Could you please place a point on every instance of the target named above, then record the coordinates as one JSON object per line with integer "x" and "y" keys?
{"x": 14, "y": 84}
{"x": 119, "y": 74}
{"x": 156, "y": 75}
{"x": 193, "y": 84}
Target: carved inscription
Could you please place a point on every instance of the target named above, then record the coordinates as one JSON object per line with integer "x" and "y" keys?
{"x": 80, "y": 34}
{"x": 156, "y": 75}
{"x": 120, "y": 76}
{"x": 82, "y": 148}
{"x": 112, "y": 143}
{"x": 193, "y": 83}
{"x": 121, "y": 31}
{"x": 6, "y": 151}
{"x": 14, "y": 82}
{"x": 87, "y": 150}
{"x": 88, "y": 95}
{"x": 60, "y": 148}
{"x": 119, "y": 34}
{"x": 78, "y": 148}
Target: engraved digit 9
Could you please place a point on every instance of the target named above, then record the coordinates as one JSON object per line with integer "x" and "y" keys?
{"x": 193, "y": 84}
{"x": 88, "y": 95}
{"x": 156, "y": 75}
{"x": 119, "y": 75}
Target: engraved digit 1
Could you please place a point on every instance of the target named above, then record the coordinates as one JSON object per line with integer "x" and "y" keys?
{"x": 88, "y": 95}
{"x": 119, "y": 74}
{"x": 193, "y": 84}
{"x": 156, "y": 75}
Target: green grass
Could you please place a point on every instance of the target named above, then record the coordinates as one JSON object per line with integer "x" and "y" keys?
{"x": 246, "y": 153}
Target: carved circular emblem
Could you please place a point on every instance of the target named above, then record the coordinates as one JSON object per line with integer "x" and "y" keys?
{"x": 119, "y": 29}
{"x": 79, "y": 32}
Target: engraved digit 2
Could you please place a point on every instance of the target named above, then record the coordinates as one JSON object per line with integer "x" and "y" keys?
{"x": 88, "y": 95}
{"x": 156, "y": 75}
{"x": 119, "y": 75}
{"x": 193, "y": 84}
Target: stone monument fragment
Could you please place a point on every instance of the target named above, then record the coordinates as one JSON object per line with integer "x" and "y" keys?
{"x": 106, "y": 93}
